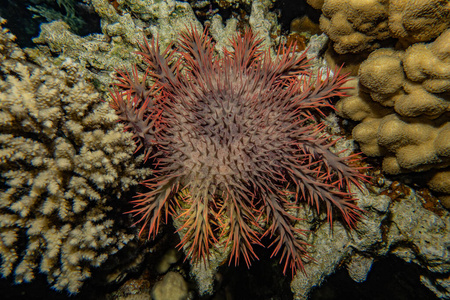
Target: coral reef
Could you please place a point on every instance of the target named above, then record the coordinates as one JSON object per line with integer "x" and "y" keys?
{"x": 172, "y": 287}
{"x": 232, "y": 180}
{"x": 47, "y": 9}
{"x": 418, "y": 21}
{"x": 400, "y": 100}
{"x": 396, "y": 222}
{"x": 261, "y": 20}
{"x": 403, "y": 107}
{"x": 406, "y": 227}
{"x": 403, "y": 228}
{"x": 64, "y": 162}
{"x": 317, "y": 4}
{"x": 123, "y": 27}
{"x": 99, "y": 54}
{"x": 356, "y": 26}
{"x": 25, "y": 17}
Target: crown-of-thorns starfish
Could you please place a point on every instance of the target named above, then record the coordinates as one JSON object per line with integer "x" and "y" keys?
{"x": 235, "y": 144}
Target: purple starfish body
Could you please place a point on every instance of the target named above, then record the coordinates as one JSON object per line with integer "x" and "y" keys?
{"x": 234, "y": 145}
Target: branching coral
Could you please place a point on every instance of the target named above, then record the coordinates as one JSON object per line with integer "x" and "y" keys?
{"x": 63, "y": 161}
{"x": 235, "y": 144}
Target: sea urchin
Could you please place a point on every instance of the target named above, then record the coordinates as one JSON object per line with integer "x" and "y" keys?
{"x": 235, "y": 144}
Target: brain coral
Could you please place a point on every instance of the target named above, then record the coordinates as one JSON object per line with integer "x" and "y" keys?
{"x": 63, "y": 161}
{"x": 355, "y": 26}
{"x": 403, "y": 104}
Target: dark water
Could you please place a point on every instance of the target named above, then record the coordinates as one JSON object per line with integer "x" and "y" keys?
{"x": 390, "y": 278}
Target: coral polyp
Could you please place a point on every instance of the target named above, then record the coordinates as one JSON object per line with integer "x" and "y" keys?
{"x": 235, "y": 144}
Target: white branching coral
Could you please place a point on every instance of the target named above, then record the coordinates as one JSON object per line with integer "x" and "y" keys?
{"x": 63, "y": 161}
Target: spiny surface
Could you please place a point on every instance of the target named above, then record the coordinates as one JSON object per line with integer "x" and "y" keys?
{"x": 235, "y": 145}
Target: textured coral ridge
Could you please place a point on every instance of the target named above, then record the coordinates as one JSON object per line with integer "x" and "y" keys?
{"x": 235, "y": 145}
{"x": 63, "y": 161}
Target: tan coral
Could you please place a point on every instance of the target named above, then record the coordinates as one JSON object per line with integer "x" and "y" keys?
{"x": 440, "y": 181}
{"x": 317, "y": 4}
{"x": 372, "y": 75}
{"x": 402, "y": 101}
{"x": 418, "y": 101}
{"x": 429, "y": 64}
{"x": 366, "y": 133}
{"x": 419, "y": 20}
{"x": 356, "y": 26}
{"x": 358, "y": 105}
{"x": 63, "y": 160}
{"x": 412, "y": 141}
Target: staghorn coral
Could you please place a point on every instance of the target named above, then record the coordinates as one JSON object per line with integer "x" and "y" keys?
{"x": 63, "y": 162}
{"x": 235, "y": 145}
{"x": 403, "y": 104}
